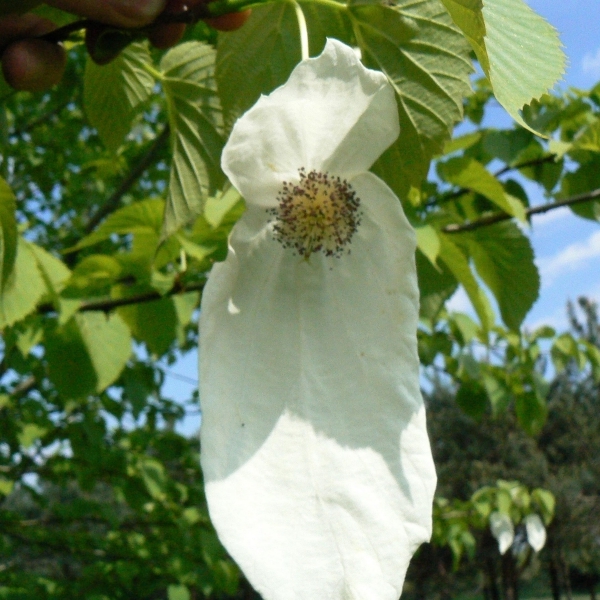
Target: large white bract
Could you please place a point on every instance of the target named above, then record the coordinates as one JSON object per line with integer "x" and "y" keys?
{"x": 317, "y": 465}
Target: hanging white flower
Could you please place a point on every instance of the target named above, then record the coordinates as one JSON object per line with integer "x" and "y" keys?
{"x": 317, "y": 465}
{"x": 502, "y": 529}
{"x": 536, "y": 532}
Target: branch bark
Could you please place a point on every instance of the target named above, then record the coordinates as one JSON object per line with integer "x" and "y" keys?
{"x": 115, "y": 199}
{"x": 111, "y": 304}
{"x": 536, "y": 210}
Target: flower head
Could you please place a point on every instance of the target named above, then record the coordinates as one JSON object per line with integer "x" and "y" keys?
{"x": 318, "y": 471}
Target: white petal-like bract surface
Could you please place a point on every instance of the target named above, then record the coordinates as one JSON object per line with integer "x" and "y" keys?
{"x": 502, "y": 529}
{"x": 317, "y": 465}
{"x": 536, "y": 532}
{"x": 332, "y": 115}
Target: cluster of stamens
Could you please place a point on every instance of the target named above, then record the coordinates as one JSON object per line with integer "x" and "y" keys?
{"x": 320, "y": 213}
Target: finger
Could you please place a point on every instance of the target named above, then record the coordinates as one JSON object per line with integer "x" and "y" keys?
{"x": 15, "y": 27}
{"x": 121, "y": 13}
{"x": 33, "y": 65}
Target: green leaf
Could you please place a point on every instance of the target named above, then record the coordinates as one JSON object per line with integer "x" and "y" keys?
{"x": 8, "y": 232}
{"x": 581, "y": 181}
{"x": 140, "y": 218}
{"x": 531, "y": 412}
{"x": 467, "y": 14}
{"x": 217, "y": 207}
{"x": 546, "y": 502}
{"x": 23, "y": 289}
{"x": 472, "y": 175}
{"x": 29, "y": 334}
{"x": 436, "y": 285}
{"x": 428, "y": 242}
{"x": 30, "y": 433}
{"x": 518, "y": 50}
{"x": 498, "y": 392}
{"x": 93, "y": 276}
{"x": 503, "y": 257}
{"x": 260, "y": 56}
{"x": 158, "y": 323}
{"x": 472, "y": 399}
{"x": 154, "y": 477}
{"x": 508, "y": 144}
{"x": 153, "y": 323}
{"x": 196, "y": 131}
{"x": 6, "y": 486}
{"x": 467, "y": 328}
{"x": 257, "y": 58}
{"x": 114, "y": 93}
{"x": 87, "y": 353}
{"x": 54, "y": 271}
{"x": 55, "y": 274}
{"x": 458, "y": 264}
{"x": 427, "y": 61}
{"x": 589, "y": 138}
{"x": 178, "y": 592}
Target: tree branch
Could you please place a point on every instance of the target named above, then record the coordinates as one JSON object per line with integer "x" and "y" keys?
{"x": 111, "y": 304}
{"x": 115, "y": 199}
{"x": 530, "y": 212}
{"x": 534, "y": 162}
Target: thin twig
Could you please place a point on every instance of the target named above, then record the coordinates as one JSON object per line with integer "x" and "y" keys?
{"x": 24, "y": 387}
{"x": 115, "y": 199}
{"x": 536, "y": 210}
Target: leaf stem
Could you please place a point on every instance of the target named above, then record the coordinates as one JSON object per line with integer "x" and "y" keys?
{"x": 303, "y": 29}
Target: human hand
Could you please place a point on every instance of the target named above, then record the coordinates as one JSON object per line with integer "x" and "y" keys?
{"x": 35, "y": 65}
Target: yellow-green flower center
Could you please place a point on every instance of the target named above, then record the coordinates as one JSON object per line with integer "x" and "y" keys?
{"x": 320, "y": 213}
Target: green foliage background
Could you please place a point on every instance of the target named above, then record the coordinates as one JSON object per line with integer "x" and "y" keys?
{"x": 113, "y": 208}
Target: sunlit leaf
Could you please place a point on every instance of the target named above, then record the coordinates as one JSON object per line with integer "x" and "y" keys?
{"x": 23, "y": 289}
{"x": 87, "y": 354}
{"x": 8, "y": 232}
{"x": 519, "y": 51}
{"x": 470, "y": 174}
{"x": 427, "y": 61}
{"x": 137, "y": 218}
{"x": 114, "y": 93}
{"x": 503, "y": 257}
{"x": 196, "y": 132}
{"x": 436, "y": 285}
{"x": 458, "y": 265}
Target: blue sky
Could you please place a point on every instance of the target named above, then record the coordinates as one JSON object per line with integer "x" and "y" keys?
{"x": 567, "y": 248}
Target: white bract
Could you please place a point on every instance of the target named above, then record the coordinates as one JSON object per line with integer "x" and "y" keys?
{"x": 536, "y": 532}
{"x": 502, "y": 529}
{"x": 317, "y": 465}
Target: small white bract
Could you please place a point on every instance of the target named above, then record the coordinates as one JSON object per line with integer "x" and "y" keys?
{"x": 536, "y": 532}
{"x": 502, "y": 529}
{"x": 317, "y": 465}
